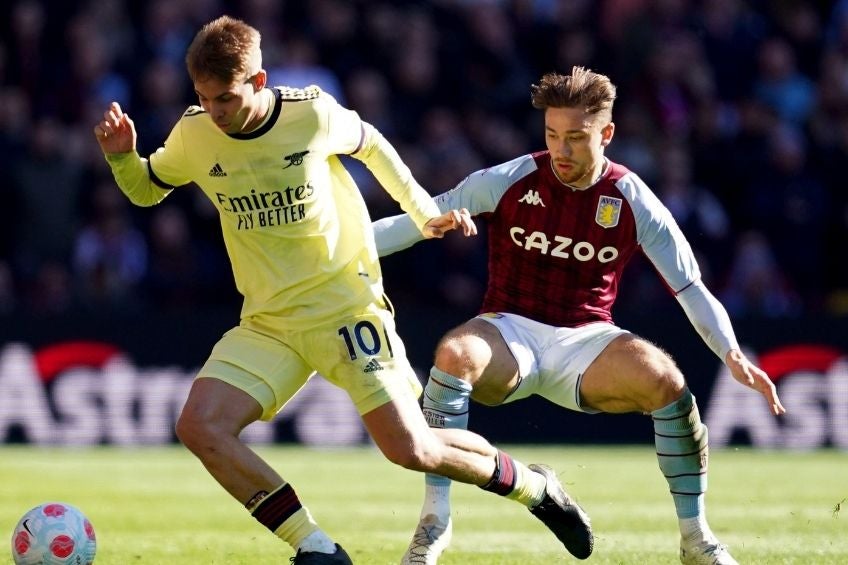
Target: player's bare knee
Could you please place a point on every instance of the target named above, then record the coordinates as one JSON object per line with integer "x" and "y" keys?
{"x": 668, "y": 387}
{"x": 185, "y": 429}
{"x": 184, "y": 434}
{"x": 193, "y": 431}
{"x": 663, "y": 383}
{"x": 448, "y": 357}
{"x": 463, "y": 356}
{"x": 473, "y": 364}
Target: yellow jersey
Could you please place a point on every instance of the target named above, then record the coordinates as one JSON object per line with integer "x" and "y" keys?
{"x": 295, "y": 225}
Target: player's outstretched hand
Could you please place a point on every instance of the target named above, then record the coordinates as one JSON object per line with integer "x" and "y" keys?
{"x": 116, "y": 132}
{"x": 450, "y": 220}
{"x": 752, "y": 376}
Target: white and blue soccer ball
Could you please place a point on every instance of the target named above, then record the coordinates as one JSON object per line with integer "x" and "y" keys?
{"x": 53, "y": 533}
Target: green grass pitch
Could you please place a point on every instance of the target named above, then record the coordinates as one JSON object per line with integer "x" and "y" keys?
{"x": 158, "y": 506}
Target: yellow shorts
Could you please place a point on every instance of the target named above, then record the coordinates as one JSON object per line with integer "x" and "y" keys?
{"x": 361, "y": 354}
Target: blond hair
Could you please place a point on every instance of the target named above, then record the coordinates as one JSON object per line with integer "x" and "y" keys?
{"x": 593, "y": 92}
{"x": 226, "y": 49}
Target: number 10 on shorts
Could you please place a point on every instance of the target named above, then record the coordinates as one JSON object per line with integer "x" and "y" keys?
{"x": 364, "y": 338}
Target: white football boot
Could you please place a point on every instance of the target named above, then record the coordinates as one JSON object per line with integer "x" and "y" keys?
{"x": 705, "y": 552}
{"x": 430, "y": 539}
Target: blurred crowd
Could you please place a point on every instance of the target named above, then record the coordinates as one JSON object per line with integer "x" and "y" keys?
{"x": 734, "y": 111}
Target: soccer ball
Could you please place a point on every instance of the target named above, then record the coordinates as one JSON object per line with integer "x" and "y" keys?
{"x": 53, "y": 533}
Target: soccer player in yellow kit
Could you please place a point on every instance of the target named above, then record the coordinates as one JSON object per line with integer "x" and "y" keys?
{"x": 300, "y": 242}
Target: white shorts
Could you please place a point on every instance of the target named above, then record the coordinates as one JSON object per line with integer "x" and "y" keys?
{"x": 552, "y": 360}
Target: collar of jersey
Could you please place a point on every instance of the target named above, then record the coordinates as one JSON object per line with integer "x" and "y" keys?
{"x": 269, "y": 123}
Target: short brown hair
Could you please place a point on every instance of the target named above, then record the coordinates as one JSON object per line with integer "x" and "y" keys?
{"x": 581, "y": 89}
{"x": 226, "y": 49}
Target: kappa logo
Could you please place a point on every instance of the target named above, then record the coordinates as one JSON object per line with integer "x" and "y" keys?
{"x": 295, "y": 159}
{"x": 373, "y": 365}
{"x": 217, "y": 171}
{"x": 532, "y": 197}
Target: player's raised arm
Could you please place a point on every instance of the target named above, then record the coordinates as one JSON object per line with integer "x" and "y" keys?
{"x": 117, "y": 137}
{"x": 116, "y": 132}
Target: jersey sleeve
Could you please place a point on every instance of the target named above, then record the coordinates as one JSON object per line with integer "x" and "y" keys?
{"x": 344, "y": 127}
{"x": 168, "y": 163}
{"x": 659, "y": 236}
{"x": 479, "y": 192}
{"x": 709, "y": 318}
{"x": 147, "y": 182}
{"x": 134, "y": 178}
{"x": 347, "y": 134}
{"x": 665, "y": 245}
{"x": 394, "y": 176}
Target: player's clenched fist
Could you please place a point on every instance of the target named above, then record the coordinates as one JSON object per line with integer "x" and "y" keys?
{"x": 116, "y": 132}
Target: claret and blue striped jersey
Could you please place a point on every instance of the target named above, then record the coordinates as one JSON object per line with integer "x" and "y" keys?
{"x": 556, "y": 254}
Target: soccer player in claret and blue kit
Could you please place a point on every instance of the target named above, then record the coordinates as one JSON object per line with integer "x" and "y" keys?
{"x": 300, "y": 241}
{"x": 562, "y": 225}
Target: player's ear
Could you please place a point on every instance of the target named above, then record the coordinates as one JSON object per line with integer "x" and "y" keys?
{"x": 260, "y": 79}
{"x": 606, "y": 134}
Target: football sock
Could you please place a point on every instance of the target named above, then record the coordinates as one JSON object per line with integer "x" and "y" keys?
{"x": 281, "y": 512}
{"x": 436, "y": 500}
{"x": 682, "y": 452}
{"x": 445, "y": 405}
{"x": 516, "y": 481}
{"x": 446, "y": 400}
{"x": 696, "y": 528}
{"x": 317, "y": 542}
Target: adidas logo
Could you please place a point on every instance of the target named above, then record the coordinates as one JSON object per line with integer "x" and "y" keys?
{"x": 372, "y": 366}
{"x": 217, "y": 171}
{"x": 532, "y": 197}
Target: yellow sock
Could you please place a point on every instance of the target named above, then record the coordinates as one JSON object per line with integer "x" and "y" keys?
{"x": 516, "y": 481}
{"x": 529, "y": 486}
{"x": 296, "y": 527}
{"x": 282, "y": 513}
